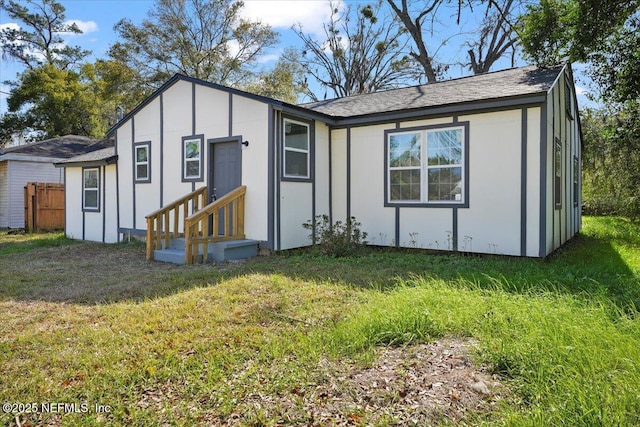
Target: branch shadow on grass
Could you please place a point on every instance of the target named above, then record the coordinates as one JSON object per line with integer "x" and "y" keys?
{"x": 589, "y": 266}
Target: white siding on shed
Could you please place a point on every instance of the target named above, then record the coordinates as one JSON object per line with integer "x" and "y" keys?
{"x": 4, "y": 197}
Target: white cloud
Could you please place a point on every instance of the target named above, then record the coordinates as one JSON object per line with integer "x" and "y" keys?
{"x": 268, "y": 58}
{"x": 311, "y": 14}
{"x": 9, "y": 26}
{"x": 85, "y": 26}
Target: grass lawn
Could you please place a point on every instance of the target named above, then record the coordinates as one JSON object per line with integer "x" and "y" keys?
{"x": 93, "y": 334}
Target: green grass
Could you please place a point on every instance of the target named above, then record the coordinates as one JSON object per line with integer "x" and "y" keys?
{"x": 24, "y": 242}
{"x": 563, "y": 334}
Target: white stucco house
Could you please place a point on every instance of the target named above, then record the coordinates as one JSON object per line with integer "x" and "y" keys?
{"x": 481, "y": 164}
{"x": 34, "y": 163}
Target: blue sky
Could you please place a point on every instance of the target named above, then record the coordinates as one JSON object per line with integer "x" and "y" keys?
{"x": 97, "y": 17}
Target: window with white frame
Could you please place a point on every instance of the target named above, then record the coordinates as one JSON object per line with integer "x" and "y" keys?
{"x": 296, "y": 149}
{"x": 142, "y": 170}
{"x": 192, "y": 158}
{"x": 426, "y": 165}
{"x": 91, "y": 189}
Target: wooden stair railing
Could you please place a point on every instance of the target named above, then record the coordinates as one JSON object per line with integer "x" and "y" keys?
{"x": 225, "y": 216}
{"x": 159, "y": 226}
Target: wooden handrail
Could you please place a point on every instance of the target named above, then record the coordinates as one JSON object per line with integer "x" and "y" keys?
{"x": 159, "y": 230}
{"x": 229, "y": 226}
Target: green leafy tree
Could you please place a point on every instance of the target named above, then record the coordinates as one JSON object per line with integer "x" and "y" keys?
{"x": 38, "y": 41}
{"x": 282, "y": 82}
{"x": 359, "y": 53}
{"x": 205, "y": 39}
{"x": 49, "y": 102}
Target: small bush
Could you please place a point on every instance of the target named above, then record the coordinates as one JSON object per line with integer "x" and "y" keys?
{"x": 340, "y": 239}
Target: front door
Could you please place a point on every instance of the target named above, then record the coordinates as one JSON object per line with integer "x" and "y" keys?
{"x": 225, "y": 172}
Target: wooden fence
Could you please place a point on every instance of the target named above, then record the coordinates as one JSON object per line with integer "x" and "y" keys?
{"x": 43, "y": 206}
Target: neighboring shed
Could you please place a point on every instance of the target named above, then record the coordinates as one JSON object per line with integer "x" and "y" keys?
{"x": 34, "y": 163}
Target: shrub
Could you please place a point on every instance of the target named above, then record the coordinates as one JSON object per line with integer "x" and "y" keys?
{"x": 339, "y": 239}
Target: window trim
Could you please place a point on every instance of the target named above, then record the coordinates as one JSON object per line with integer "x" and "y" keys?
{"x": 568, "y": 98}
{"x": 309, "y": 151}
{"x": 86, "y": 208}
{"x": 424, "y": 202}
{"x": 557, "y": 173}
{"x": 200, "y": 176}
{"x": 147, "y": 145}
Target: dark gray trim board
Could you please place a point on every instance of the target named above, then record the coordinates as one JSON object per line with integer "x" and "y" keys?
{"x": 117, "y": 201}
{"x": 104, "y": 202}
{"x": 133, "y": 165}
{"x": 330, "y": 131}
{"x": 278, "y": 165}
{"x": 96, "y": 163}
{"x": 271, "y": 180}
{"x": 464, "y": 203}
{"x": 230, "y": 130}
{"x": 348, "y": 173}
{"x": 523, "y": 183}
{"x": 193, "y": 108}
{"x": 134, "y": 231}
{"x": 66, "y": 208}
{"x": 161, "y": 150}
{"x": 454, "y": 229}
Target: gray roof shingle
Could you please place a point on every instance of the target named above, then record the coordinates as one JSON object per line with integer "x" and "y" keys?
{"x": 63, "y": 147}
{"x": 495, "y": 85}
{"x": 103, "y": 155}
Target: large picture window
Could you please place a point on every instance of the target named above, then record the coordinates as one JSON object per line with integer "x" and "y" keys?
{"x": 91, "y": 189}
{"x": 426, "y": 166}
{"x": 192, "y": 158}
{"x": 296, "y": 149}
{"x": 142, "y": 169}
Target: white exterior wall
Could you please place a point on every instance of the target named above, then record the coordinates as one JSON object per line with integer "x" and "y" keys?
{"x": 125, "y": 174}
{"x": 491, "y": 224}
{"x": 14, "y": 175}
{"x": 251, "y": 121}
{"x": 533, "y": 181}
{"x": 367, "y": 184}
{"x": 4, "y": 195}
{"x": 339, "y": 174}
{"x": 322, "y": 168}
{"x": 73, "y": 222}
{"x": 98, "y": 226}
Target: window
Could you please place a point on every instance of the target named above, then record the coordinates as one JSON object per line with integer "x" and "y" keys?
{"x": 91, "y": 189}
{"x": 557, "y": 191}
{"x": 192, "y": 158}
{"x": 426, "y": 166}
{"x": 296, "y": 149}
{"x": 568, "y": 99}
{"x": 142, "y": 169}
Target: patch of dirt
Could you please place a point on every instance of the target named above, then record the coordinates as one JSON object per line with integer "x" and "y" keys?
{"x": 424, "y": 384}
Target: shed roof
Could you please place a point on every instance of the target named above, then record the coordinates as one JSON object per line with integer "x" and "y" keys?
{"x": 509, "y": 83}
{"x": 63, "y": 147}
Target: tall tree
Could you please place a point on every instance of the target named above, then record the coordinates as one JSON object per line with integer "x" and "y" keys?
{"x": 206, "y": 39}
{"x": 283, "y": 82}
{"x": 495, "y": 37}
{"x": 39, "y": 41}
{"x": 359, "y": 53}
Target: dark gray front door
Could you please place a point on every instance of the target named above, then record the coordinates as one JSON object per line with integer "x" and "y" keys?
{"x": 225, "y": 173}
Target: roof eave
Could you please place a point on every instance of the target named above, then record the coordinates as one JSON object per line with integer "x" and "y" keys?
{"x": 88, "y": 163}
{"x": 443, "y": 110}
